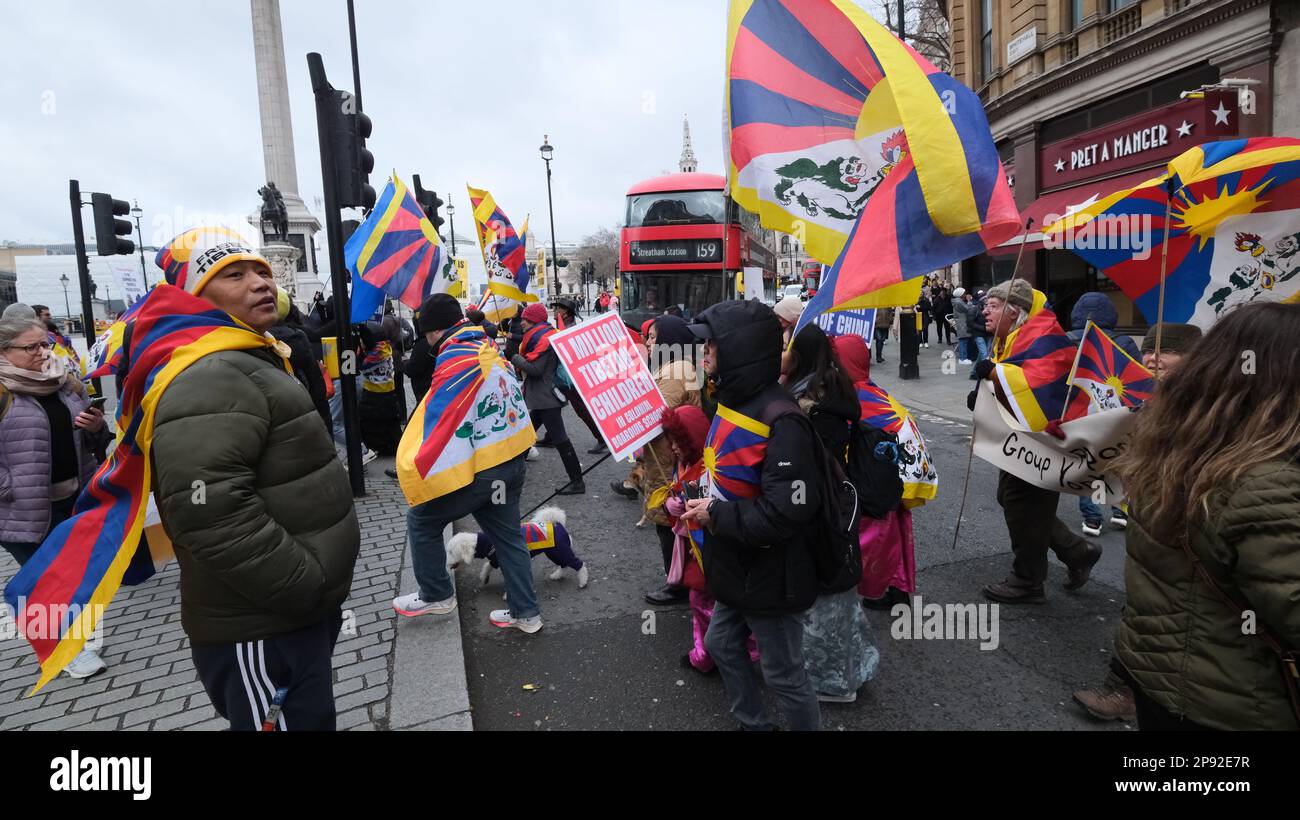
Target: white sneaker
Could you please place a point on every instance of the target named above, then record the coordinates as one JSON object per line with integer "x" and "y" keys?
{"x": 927, "y": 344}
{"x": 86, "y": 664}
{"x": 1120, "y": 521}
{"x": 368, "y": 456}
{"x": 412, "y": 606}
{"x": 964, "y": 361}
{"x": 503, "y": 619}
{"x": 533, "y": 455}
{"x": 1091, "y": 530}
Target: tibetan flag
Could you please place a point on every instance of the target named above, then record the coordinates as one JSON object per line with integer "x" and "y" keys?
{"x": 915, "y": 467}
{"x": 1234, "y": 231}
{"x": 396, "y": 251}
{"x": 538, "y": 536}
{"x": 842, "y": 134}
{"x": 1107, "y": 375}
{"x": 733, "y": 455}
{"x": 80, "y": 566}
{"x": 472, "y": 419}
{"x": 1032, "y": 368}
{"x": 504, "y": 255}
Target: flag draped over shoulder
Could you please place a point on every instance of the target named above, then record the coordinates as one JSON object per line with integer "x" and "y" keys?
{"x": 1032, "y": 367}
{"x": 473, "y": 418}
{"x": 504, "y": 255}
{"x": 733, "y": 455}
{"x": 81, "y": 564}
{"x": 881, "y": 410}
{"x": 843, "y": 135}
{"x": 1108, "y": 376}
{"x": 1234, "y": 231}
{"x": 396, "y": 251}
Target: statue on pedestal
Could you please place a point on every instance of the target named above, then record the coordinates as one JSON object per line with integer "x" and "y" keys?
{"x": 274, "y": 214}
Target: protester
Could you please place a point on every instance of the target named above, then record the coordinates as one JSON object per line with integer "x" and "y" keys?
{"x": 1214, "y": 478}
{"x": 672, "y": 353}
{"x": 390, "y": 330}
{"x": 266, "y": 560}
{"x": 942, "y": 301}
{"x": 925, "y": 308}
{"x": 537, "y": 363}
{"x": 477, "y": 317}
{"x": 1114, "y": 699}
{"x": 788, "y": 311}
{"x": 961, "y": 314}
{"x": 1029, "y": 510}
{"x": 1176, "y": 342}
{"x": 1098, "y": 309}
{"x": 566, "y": 315}
{"x": 686, "y": 428}
{"x": 362, "y": 341}
{"x": 756, "y": 561}
{"x": 981, "y": 333}
{"x": 839, "y": 652}
{"x": 306, "y": 367}
{"x": 486, "y": 485}
{"x": 381, "y": 414}
{"x": 46, "y": 455}
{"x": 887, "y": 545}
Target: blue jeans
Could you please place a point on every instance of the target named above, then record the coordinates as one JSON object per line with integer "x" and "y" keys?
{"x": 780, "y": 642}
{"x": 1091, "y": 512}
{"x": 493, "y": 500}
{"x": 336, "y": 416}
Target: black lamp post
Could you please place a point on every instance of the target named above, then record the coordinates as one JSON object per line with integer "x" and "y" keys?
{"x": 67, "y": 306}
{"x": 137, "y": 212}
{"x": 451, "y": 216}
{"x": 546, "y": 151}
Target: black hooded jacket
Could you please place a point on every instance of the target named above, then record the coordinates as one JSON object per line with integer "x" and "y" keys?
{"x": 755, "y": 558}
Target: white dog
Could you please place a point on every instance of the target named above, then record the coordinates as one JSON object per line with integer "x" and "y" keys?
{"x": 545, "y": 534}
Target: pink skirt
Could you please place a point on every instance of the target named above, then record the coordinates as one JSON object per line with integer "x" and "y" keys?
{"x": 888, "y": 554}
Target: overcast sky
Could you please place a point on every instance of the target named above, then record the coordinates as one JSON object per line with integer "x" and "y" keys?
{"x": 157, "y": 101}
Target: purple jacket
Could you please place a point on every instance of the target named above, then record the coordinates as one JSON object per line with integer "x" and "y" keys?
{"x": 25, "y": 465}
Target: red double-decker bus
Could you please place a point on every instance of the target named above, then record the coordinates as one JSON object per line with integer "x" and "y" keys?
{"x": 672, "y": 246}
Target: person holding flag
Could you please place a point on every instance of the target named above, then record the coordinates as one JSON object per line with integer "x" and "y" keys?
{"x": 1029, "y": 365}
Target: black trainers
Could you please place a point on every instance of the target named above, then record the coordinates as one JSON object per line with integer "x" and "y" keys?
{"x": 573, "y": 488}
{"x": 623, "y": 490}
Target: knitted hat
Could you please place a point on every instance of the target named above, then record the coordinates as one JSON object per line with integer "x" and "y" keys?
{"x": 1016, "y": 292}
{"x": 1174, "y": 338}
{"x": 789, "y": 309}
{"x": 535, "y": 312}
{"x": 687, "y": 427}
{"x": 191, "y": 260}
{"x": 439, "y": 312}
{"x": 959, "y": 292}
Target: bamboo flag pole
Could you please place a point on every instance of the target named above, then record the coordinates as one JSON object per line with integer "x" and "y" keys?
{"x": 970, "y": 454}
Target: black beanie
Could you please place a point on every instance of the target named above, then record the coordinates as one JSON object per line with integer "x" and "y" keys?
{"x": 439, "y": 312}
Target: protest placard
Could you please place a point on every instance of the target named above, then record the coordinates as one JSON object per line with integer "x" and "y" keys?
{"x": 607, "y": 369}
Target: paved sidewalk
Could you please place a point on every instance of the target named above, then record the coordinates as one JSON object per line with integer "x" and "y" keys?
{"x": 381, "y": 669}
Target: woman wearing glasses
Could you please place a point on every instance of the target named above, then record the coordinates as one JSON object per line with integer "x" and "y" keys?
{"x": 43, "y": 461}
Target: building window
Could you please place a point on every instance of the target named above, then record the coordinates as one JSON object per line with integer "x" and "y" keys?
{"x": 986, "y": 39}
{"x": 1116, "y": 5}
{"x": 1076, "y": 14}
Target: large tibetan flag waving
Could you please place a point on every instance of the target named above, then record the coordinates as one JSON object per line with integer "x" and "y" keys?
{"x": 396, "y": 251}
{"x": 1031, "y": 369}
{"x": 504, "y": 255}
{"x": 843, "y": 135}
{"x": 915, "y": 467}
{"x": 473, "y": 418}
{"x": 81, "y": 564}
{"x": 1108, "y": 376}
{"x": 1234, "y": 231}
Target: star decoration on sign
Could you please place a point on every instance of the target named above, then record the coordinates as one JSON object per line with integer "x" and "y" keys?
{"x": 1185, "y": 130}
{"x": 1220, "y": 114}
{"x": 1060, "y": 165}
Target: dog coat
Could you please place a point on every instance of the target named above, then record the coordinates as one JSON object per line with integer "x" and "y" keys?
{"x": 551, "y": 540}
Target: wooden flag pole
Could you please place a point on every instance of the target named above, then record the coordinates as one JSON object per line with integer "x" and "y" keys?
{"x": 970, "y": 454}
{"x": 1164, "y": 262}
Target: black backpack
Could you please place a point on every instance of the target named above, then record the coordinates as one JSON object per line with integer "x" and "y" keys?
{"x": 873, "y": 469}
{"x": 833, "y": 534}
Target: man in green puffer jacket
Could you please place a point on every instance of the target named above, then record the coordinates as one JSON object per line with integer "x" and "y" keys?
{"x": 259, "y": 511}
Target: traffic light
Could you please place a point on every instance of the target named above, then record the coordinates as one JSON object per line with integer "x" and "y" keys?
{"x": 429, "y": 203}
{"x": 347, "y": 131}
{"x": 108, "y": 228}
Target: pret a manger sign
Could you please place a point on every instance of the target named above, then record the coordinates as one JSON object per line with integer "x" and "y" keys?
{"x": 606, "y": 367}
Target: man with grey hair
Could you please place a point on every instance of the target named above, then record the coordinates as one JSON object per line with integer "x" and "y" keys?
{"x": 18, "y": 311}
{"x": 1014, "y": 308}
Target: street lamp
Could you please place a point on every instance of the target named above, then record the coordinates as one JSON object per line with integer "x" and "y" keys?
{"x": 67, "y": 306}
{"x": 137, "y": 213}
{"x": 546, "y": 151}
{"x": 451, "y": 216}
